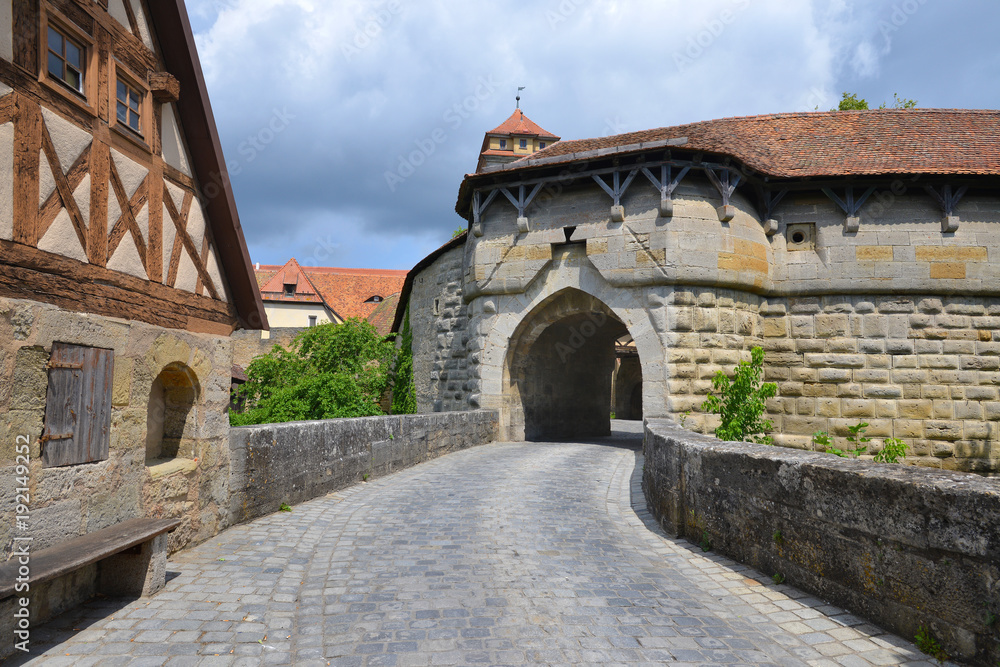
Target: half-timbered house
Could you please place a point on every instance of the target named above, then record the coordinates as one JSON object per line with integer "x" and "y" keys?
{"x": 123, "y": 271}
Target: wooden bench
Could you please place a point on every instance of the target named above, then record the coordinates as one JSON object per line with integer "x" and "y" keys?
{"x": 132, "y": 558}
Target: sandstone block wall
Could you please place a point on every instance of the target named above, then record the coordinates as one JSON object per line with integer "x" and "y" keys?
{"x": 295, "y": 462}
{"x": 924, "y": 369}
{"x": 902, "y": 546}
{"x": 74, "y": 500}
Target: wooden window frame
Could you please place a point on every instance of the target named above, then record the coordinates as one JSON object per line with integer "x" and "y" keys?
{"x": 87, "y": 97}
{"x": 523, "y": 144}
{"x": 129, "y": 78}
{"x": 503, "y": 144}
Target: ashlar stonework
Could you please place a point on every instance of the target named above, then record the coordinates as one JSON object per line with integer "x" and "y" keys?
{"x": 875, "y": 295}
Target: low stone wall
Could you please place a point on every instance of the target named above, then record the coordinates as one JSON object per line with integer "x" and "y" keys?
{"x": 903, "y": 546}
{"x": 294, "y": 462}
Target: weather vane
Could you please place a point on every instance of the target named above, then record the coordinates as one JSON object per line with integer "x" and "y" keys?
{"x": 518, "y": 98}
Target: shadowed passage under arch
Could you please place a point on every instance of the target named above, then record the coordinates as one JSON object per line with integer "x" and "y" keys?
{"x": 559, "y": 367}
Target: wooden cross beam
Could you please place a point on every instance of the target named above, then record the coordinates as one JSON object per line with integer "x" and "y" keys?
{"x": 64, "y": 188}
{"x": 126, "y": 221}
{"x": 180, "y": 220}
{"x": 478, "y": 208}
{"x": 616, "y": 191}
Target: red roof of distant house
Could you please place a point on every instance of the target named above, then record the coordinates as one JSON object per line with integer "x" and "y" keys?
{"x": 347, "y": 292}
{"x": 520, "y": 124}
{"x": 811, "y": 144}
{"x": 383, "y": 315}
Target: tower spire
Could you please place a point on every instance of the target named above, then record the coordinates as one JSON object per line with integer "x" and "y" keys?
{"x": 518, "y": 98}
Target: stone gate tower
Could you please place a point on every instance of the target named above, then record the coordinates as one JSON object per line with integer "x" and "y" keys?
{"x": 859, "y": 249}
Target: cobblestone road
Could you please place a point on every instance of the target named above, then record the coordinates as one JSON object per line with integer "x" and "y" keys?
{"x": 506, "y": 554}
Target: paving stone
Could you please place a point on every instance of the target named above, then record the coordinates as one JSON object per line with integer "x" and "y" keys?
{"x": 506, "y": 554}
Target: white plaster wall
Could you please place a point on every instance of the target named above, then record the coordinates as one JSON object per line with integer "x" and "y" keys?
{"x": 174, "y": 152}
{"x": 69, "y": 140}
{"x": 61, "y": 239}
{"x": 169, "y": 233}
{"x": 140, "y": 18}
{"x": 288, "y": 315}
{"x": 132, "y": 173}
{"x": 187, "y": 274}
{"x": 126, "y": 258}
{"x": 117, "y": 10}
{"x": 6, "y": 33}
{"x": 6, "y": 179}
{"x": 212, "y": 266}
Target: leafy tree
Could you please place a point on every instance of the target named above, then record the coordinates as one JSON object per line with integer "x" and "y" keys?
{"x": 328, "y": 371}
{"x": 404, "y": 394}
{"x": 851, "y": 102}
{"x": 740, "y": 401}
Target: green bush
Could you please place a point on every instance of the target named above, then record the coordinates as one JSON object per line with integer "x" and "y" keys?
{"x": 329, "y": 371}
{"x": 893, "y": 449}
{"x": 740, "y": 401}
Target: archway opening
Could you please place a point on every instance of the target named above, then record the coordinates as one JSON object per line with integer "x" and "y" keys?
{"x": 171, "y": 414}
{"x": 560, "y": 369}
{"x": 626, "y": 398}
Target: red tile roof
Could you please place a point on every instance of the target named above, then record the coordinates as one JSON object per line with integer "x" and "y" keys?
{"x": 835, "y": 143}
{"x": 384, "y": 313}
{"x": 344, "y": 291}
{"x": 520, "y": 124}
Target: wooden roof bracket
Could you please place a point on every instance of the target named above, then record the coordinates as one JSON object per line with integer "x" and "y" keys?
{"x": 947, "y": 200}
{"x": 478, "y": 207}
{"x": 666, "y": 183}
{"x": 769, "y": 201}
{"x": 725, "y": 183}
{"x": 616, "y": 191}
{"x": 521, "y": 204}
{"x": 850, "y": 206}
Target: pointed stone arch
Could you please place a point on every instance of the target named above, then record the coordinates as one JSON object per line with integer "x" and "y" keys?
{"x": 497, "y": 321}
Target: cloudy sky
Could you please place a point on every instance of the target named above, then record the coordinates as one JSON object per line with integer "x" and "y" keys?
{"x": 348, "y": 125}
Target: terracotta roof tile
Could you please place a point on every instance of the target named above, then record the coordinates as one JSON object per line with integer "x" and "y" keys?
{"x": 520, "y": 124}
{"x": 836, "y": 143}
{"x": 384, "y": 313}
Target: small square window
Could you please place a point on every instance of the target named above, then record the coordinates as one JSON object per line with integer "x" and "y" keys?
{"x": 66, "y": 59}
{"x": 503, "y": 144}
{"x": 524, "y": 143}
{"x": 541, "y": 145}
{"x": 312, "y": 320}
{"x": 290, "y": 289}
{"x": 129, "y": 107}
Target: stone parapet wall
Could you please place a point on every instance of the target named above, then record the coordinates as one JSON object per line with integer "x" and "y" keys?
{"x": 904, "y": 547}
{"x": 291, "y": 463}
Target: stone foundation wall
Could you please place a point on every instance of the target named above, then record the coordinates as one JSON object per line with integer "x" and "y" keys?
{"x": 249, "y": 344}
{"x": 902, "y": 546}
{"x": 78, "y": 499}
{"x": 295, "y": 462}
{"x": 439, "y": 321}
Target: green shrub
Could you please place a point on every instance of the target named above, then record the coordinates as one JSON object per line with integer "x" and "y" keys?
{"x": 328, "y": 371}
{"x": 740, "y": 401}
{"x": 893, "y": 449}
